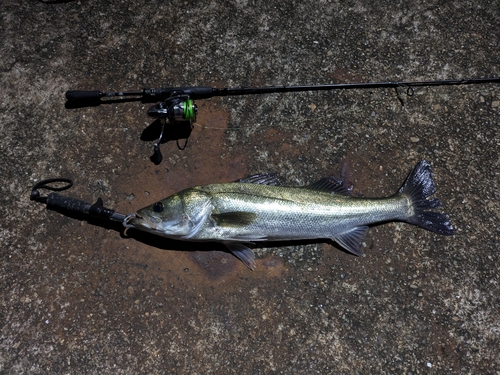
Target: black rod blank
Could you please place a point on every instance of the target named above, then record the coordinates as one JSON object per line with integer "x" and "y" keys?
{"x": 203, "y": 92}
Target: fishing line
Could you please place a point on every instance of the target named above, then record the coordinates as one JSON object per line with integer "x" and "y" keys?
{"x": 290, "y": 125}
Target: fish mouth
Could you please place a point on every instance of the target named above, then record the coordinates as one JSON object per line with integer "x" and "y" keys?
{"x": 137, "y": 221}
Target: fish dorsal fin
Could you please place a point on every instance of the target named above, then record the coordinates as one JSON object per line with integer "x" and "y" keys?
{"x": 351, "y": 240}
{"x": 237, "y": 219}
{"x": 330, "y": 185}
{"x": 243, "y": 253}
{"x": 261, "y": 179}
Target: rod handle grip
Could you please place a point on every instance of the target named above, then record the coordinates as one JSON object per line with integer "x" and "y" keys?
{"x": 75, "y": 95}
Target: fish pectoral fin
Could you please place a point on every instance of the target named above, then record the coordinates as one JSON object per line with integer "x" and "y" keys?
{"x": 351, "y": 240}
{"x": 243, "y": 253}
{"x": 236, "y": 219}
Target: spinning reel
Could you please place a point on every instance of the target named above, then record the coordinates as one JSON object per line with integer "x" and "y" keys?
{"x": 180, "y": 111}
{"x": 173, "y": 105}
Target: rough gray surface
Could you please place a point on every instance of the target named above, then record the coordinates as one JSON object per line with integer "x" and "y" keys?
{"x": 79, "y": 298}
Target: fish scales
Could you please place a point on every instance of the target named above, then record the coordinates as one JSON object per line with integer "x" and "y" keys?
{"x": 285, "y": 213}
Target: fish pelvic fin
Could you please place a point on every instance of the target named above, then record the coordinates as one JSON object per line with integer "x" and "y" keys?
{"x": 418, "y": 187}
{"x": 351, "y": 240}
{"x": 243, "y": 253}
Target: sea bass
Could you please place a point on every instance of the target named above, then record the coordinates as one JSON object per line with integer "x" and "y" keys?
{"x": 256, "y": 209}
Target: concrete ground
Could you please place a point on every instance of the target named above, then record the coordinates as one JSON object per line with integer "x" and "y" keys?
{"x": 78, "y": 296}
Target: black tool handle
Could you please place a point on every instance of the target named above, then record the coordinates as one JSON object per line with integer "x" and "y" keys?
{"x": 70, "y": 204}
{"x": 76, "y": 205}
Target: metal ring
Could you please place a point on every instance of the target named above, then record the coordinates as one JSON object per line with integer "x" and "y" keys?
{"x": 127, "y": 219}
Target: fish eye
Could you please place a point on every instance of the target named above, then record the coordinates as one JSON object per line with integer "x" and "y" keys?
{"x": 158, "y": 207}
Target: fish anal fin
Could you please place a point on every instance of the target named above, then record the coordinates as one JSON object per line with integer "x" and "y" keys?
{"x": 243, "y": 253}
{"x": 351, "y": 240}
{"x": 236, "y": 219}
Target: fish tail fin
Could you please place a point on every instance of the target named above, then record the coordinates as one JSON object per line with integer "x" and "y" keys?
{"x": 418, "y": 186}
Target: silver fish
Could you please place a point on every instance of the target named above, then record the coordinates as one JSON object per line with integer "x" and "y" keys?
{"x": 255, "y": 209}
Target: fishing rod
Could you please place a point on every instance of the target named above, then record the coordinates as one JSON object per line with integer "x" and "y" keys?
{"x": 176, "y": 105}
